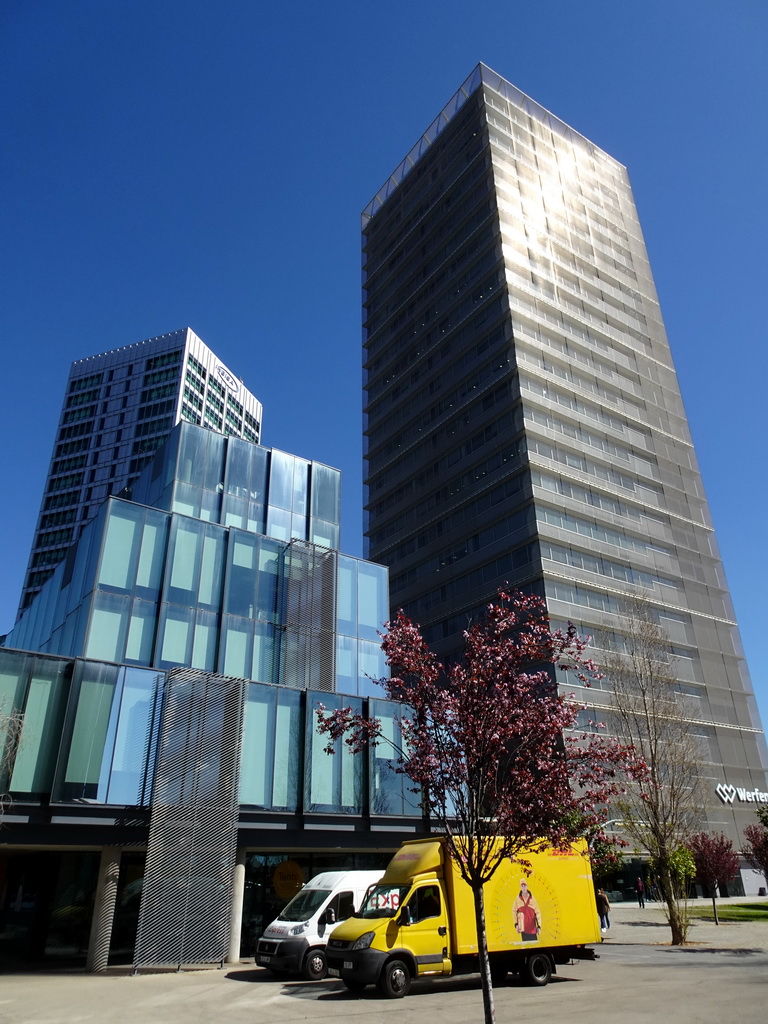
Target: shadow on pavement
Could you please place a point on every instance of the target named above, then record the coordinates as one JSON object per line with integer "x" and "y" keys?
{"x": 332, "y": 990}
{"x": 642, "y": 924}
{"x": 256, "y": 974}
{"x": 720, "y": 950}
{"x": 428, "y": 986}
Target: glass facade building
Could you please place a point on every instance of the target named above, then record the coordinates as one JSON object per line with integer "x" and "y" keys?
{"x": 91, "y": 730}
{"x": 217, "y": 570}
{"x": 226, "y": 560}
{"x": 118, "y": 409}
{"x": 83, "y": 780}
{"x": 523, "y": 419}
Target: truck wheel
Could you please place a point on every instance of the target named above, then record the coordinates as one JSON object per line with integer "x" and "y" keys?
{"x": 314, "y": 967}
{"x": 538, "y": 969}
{"x": 354, "y": 984}
{"x": 395, "y": 980}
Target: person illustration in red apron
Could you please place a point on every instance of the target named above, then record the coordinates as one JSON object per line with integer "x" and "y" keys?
{"x": 526, "y": 913}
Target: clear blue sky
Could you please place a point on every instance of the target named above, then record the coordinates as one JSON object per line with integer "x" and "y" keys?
{"x": 178, "y": 162}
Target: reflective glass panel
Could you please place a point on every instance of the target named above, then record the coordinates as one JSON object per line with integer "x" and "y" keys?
{"x": 390, "y": 792}
{"x": 255, "y": 521}
{"x": 238, "y": 468}
{"x": 326, "y": 493}
{"x": 242, "y": 575}
{"x": 236, "y": 641}
{"x": 281, "y": 480}
{"x": 135, "y": 731}
{"x": 234, "y": 511}
{"x": 88, "y": 719}
{"x": 187, "y": 498}
{"x": 118, "y": 566}
{"x": 288, "y": 763}
{"x": 332, "y": 782}
{"x": 206, "y": 633}
{"x": 372, "y": 666}
{"x": 264, "y": 660}
{"x": 300, "y": 486}
{"x": 278, "y": 523}
{"x": 346, "y": 664}
{"x": 174, "y": 640}
{"x": 346, "y": 603}
{"x": 323, "y": 533}
{"x": 185, "y": 553}
{"x": 270, "y": 553}
{"x": 256, "y": 763}
{"x": 212, "y": 569}
{"x": 149, "y": 573}
{"x": 372, "y": 599}
{"x": 109, "y": 627}
{"x": 141, "y": 632}
{"x": 44, "y": 707}
{"x": 299, "y": 526}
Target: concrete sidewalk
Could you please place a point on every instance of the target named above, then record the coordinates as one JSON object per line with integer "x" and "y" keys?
{"x": 632, "y": 926}
{"x": 637, "y": 976}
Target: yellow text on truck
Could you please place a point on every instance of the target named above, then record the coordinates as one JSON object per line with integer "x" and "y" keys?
{"x": 419, "y": 920}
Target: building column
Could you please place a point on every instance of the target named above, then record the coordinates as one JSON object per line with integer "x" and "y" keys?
{"x": 104, "y": 909}
{"x": 236, "y": 919}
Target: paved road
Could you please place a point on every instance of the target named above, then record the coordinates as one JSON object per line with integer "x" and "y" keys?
{"x": 722, "y": 977}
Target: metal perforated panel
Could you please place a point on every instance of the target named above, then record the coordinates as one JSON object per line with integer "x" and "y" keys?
{"x": 186, "y": 899}
{"x": 309, "y": 651}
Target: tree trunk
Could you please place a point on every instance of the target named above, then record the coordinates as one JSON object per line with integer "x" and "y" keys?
{"x": 675, "y": 915}
{"x": 675, "y": 922}
{"x": 482, "y": 953}
{"x": 714, "y": 906}
{"x": 673, "y": 910}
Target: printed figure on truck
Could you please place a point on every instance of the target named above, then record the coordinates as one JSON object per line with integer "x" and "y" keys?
{"x": 419, "y": 920}
{"x": 527, "y": 914}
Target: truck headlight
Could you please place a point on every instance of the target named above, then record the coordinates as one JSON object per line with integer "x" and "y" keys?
{"x": 364, "y": 941}
{"x": 300, "y": 928}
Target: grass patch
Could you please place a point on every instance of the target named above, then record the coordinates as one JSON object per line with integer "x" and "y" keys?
{"x": 729, "y": 912}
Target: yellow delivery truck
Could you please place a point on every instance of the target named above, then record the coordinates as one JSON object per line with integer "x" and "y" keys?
{"x": 419, "y": 920}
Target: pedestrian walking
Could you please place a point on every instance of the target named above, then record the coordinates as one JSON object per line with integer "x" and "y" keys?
{"x": 640, "y": 890}
{"x": 603, "y": 906}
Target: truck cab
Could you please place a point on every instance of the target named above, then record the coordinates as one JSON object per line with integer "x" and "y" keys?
{"x": 402, "y": 930}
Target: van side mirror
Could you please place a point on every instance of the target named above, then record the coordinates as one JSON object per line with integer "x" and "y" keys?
{"x": 405, "y": 916}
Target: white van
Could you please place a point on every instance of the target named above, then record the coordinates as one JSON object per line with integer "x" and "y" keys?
{"x": 296, "y": 939}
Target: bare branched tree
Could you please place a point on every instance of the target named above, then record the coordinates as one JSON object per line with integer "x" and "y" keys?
{"x": 652, "y": 714}
{"x": 11, "y": 722}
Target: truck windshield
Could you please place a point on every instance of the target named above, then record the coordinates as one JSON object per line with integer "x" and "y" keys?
{"x": 383, "y": 900}
{"x": 304, "y": 904}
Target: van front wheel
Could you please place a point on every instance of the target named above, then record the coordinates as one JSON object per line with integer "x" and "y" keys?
{"x": 314, "y": 967}
{"x": 538, "y": 969}
{"x": 395, "y": 980}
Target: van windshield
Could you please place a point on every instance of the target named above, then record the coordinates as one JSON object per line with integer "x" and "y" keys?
{"x": 383, "y": 900}
{"x": 304, "y": 905}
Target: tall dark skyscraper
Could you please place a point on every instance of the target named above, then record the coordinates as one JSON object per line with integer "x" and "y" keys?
{"x": 523, "y": 419}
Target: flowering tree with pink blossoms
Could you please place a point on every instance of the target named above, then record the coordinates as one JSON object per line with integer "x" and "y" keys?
{"x": 490, "y": 746}
{"x": 716, "y": 861}
{"x": 756, "y": 842}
